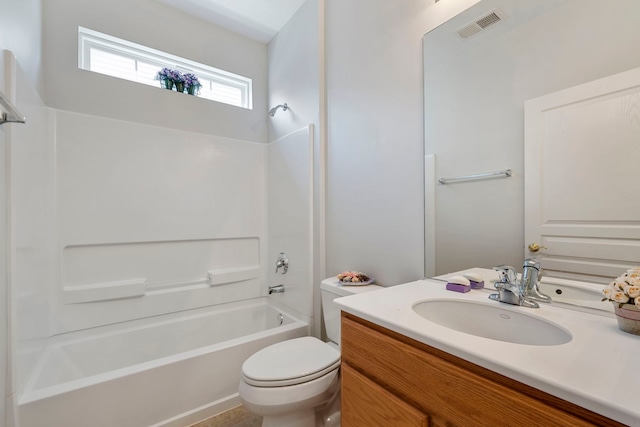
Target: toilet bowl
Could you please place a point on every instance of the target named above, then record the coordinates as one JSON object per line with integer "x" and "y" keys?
{"x": 296, "y": 383}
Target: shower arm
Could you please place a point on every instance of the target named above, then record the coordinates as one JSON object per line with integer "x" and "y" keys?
{"x": 272, "y": 112}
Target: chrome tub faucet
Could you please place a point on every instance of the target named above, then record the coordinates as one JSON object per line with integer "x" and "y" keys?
{"x": 277, "y": 289}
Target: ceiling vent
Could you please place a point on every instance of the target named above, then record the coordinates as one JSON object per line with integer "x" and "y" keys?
{"x": 485, "y": 21}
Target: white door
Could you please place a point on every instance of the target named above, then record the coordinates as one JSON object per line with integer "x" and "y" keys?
{"x": 582, "y": 178}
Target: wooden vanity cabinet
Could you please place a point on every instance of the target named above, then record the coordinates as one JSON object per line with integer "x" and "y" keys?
{"x": 392, "y": 380}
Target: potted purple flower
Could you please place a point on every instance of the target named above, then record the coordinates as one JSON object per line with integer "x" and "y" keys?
{"x": 170, "y": 78}
{"x": 191, "y": 83}
{"x": 166, "y": 78}
{"x": 178, "y": 79}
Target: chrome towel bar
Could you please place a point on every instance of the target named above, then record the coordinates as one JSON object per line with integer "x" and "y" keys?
{"x": 486, "y": 175}
{"x": 11, "y": 115}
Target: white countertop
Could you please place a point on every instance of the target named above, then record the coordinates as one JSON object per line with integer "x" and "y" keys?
{"x": 597, "y": 369}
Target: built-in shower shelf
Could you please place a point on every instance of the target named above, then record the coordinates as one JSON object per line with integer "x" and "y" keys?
{"x": 221, "y": 277}
{"x": 105, "y": 291}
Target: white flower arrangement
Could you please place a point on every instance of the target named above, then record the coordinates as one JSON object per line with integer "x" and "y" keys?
{"x": 624, "y": 289}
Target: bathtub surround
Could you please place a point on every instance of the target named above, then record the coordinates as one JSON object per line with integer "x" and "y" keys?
{"x": 31, "y": 215}
{"x": 290, "y": 217}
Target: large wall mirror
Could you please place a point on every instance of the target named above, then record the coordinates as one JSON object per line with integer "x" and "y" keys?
{"x": 477, "y": 81}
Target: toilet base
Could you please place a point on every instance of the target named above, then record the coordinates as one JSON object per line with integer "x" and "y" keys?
{"x": 327, "y": 415}
{"x": 311, "y": 404}
{"x": 304, "y": 418}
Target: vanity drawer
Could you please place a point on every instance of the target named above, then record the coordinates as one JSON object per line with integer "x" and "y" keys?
{"x": 450, "y": 390}
{"x": 369, "y": 404}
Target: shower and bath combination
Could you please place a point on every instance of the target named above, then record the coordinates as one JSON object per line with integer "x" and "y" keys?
{"x": 272, "y": 112}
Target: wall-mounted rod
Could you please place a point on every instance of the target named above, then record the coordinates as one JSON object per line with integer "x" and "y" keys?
{"x": 284, "y": 107}
{"x": 12, "y": 115}
{"x": 486, "y": 175}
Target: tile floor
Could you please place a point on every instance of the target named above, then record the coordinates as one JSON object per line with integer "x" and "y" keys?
{"x": 236, "y": 417}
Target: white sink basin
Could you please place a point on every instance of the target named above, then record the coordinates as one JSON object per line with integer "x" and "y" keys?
{"x": 492, "y": 321}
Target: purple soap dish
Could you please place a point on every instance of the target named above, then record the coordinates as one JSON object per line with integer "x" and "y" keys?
{"x": 475, "y": 280}
{"x": 476, "y": 285}
{"x": 455, "y": 287}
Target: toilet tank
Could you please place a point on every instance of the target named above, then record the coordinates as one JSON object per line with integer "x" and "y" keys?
{"x": 331, "y": 289}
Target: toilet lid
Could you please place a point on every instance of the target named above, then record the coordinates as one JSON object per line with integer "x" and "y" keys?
{"x": 290, "y": 362}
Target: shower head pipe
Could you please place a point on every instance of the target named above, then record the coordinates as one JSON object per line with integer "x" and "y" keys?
{"x": 284, "y": 107}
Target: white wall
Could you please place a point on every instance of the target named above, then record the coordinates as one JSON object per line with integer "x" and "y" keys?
{"x": 474, "y": 110}
{"x": 375, "y": 143}
{"x": 21, "y": 33}
{"x": 152, "y": 24}
{"x": 293, "y": 72}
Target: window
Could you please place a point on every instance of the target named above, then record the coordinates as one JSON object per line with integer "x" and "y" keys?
{"x": 115, "y": 57}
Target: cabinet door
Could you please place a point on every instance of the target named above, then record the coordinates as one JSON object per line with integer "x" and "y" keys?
{"x": 365, "y": 403}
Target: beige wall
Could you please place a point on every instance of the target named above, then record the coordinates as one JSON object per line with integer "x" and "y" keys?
{"x": 375, "y": 145}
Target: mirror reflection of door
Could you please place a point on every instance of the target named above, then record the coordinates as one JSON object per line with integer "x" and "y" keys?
{"x": 582, "y": 178}
{"x": 475, "y": 92}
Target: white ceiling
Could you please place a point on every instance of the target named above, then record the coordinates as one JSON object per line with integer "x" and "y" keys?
{"x": 256, "y": 19}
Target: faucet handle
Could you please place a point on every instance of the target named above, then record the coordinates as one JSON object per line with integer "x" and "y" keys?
{"x": 506, "y": 273}
{"x": 531, "y": 279}
{"x": 282, "y": 262}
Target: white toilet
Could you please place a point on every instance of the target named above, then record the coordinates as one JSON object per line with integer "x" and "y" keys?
{"x": 296, "y": 383}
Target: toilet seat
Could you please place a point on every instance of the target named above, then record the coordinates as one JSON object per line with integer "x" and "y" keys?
{"x": 290, "y": 362}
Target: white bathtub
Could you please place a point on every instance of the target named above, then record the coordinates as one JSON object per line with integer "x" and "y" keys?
{"x": 170, "y": 370}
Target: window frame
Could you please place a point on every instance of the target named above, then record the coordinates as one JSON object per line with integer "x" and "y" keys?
{"x": 88, "y": 39}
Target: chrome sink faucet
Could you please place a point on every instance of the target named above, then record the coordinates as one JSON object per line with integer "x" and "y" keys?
{"x": 522, "y": 293}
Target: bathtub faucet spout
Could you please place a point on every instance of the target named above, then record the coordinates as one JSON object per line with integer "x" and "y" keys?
{"x": 278, "y": 289}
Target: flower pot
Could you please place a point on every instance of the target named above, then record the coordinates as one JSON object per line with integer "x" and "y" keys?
{"x": 180, "y": 86}
{"x": 167, "y": 84}
{"x": 191, "y": 90}
{"x": 628, "y": 316}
